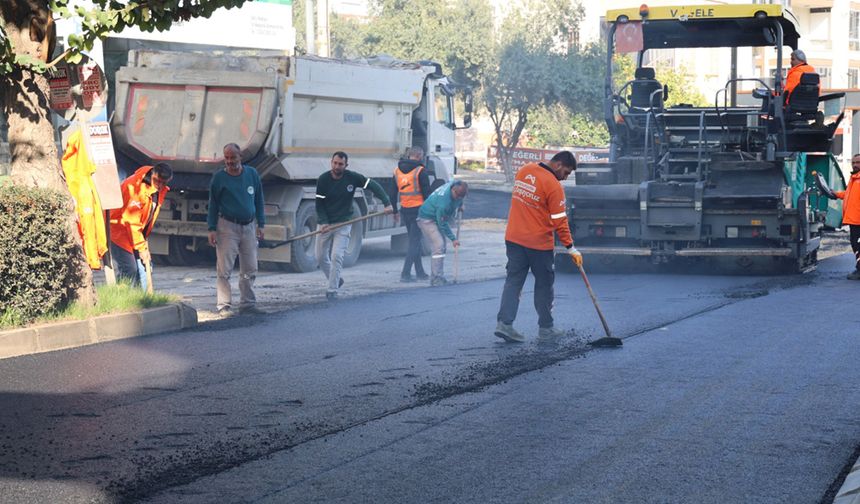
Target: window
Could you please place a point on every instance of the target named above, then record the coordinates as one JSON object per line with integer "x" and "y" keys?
{"x": 853, "y": 73}
{"x": 824, "y": 73}
{"x": 854, "y": 30}
{"x": 443, "y": 106}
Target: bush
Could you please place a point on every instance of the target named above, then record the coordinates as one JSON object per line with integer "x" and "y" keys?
{"x": 38, "y": 259}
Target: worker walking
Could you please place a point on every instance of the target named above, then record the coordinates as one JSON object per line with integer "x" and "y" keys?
{"x": 130, "y": 225}
{"x": 413, "y": 187}
{"x": 433, "y": 217}
{"x": 537, "y": 210}
{"x": 236, "y": 222}
{"x": 851, "y": 213}
{"x": 334, "y": 197}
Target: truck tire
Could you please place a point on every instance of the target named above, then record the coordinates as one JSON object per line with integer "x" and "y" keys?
{"x": 302, "y": 257}
{"x": 180, "y": 254}
{"x": 355, "y": 238}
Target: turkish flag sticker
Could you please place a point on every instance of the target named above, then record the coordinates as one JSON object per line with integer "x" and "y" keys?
{"x": 628, "y": 37}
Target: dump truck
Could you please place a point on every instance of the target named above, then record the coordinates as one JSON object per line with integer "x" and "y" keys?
{"x": 722, "y": 186}
{"x": 288, "y": 115}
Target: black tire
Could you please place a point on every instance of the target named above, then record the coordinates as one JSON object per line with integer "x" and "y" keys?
{"x": 180, "y": 254}
{"x": 356, "y": 236}
{"x": 436, "y": 184}
{"x": 302, "y": 256}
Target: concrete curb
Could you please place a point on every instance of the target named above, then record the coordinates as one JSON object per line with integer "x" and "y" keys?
{"x": 76, "y": 333}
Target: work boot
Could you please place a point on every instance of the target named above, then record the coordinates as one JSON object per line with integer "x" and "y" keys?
{"x": 420, "y": 275}
{"x": 407, "y": 278}
{"x": 438, "y": 282}
{"x": 331, "y": 296}
{"x": 854, "y": 275}
{"x": 508, "y": 333}
{"x": 251, "y": 310}
{"x": 549, "y": 334}
{"x": 225, "y": 312}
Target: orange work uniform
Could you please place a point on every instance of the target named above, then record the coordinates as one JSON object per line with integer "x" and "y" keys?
{"x": 793, "y": 77}
{"x": 537, "y": 209}
{"x": 851, "y": 201}
{"x": 409, "y": 188}
{"x": 79, "y": 170}
{"x": 132, "y": 224}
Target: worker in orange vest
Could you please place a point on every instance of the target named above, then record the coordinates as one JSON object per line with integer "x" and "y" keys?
{"x": 851, "y": 213}
{"x": 413, "y": 187}
{"x": 538, "y": 211}
{"x": 799, "y": 66}
{"x": 142, "y": 197}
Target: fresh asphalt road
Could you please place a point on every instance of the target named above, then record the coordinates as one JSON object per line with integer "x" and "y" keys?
{"x": 727, "y": 389}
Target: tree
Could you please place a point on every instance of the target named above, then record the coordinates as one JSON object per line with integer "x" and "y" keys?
{"x": 27, "y": 41}
{"x": 533, "y": 66}
{"x": 558, "y": 126}
{"x": 457, "y": 34}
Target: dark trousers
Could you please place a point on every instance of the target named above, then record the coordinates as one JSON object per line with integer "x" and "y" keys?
{"x": 128, "y": 266}
{"x": 855, "y": 243}
{"x": 413, "y": 253}
{"x": 520, "y": 260}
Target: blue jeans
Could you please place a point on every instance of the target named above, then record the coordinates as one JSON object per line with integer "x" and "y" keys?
{"x": 128, "y": 266}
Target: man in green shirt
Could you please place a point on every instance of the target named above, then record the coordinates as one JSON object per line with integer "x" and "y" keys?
{"x": 335, "y": 193}
{"x": 236, "y": 223}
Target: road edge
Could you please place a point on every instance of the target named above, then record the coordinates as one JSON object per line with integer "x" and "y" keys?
{"x": 77, "y": 333}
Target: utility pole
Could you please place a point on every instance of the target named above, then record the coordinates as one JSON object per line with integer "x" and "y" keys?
{"x": 310, "y": 31}
{"x": 322, "y": 29}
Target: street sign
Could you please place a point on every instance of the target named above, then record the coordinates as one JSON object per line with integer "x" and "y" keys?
{"x": 78, "y": 91}
{"x": 100, "y": 148}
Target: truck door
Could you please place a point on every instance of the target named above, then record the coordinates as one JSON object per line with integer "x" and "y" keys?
{"x": 440, "y": 129}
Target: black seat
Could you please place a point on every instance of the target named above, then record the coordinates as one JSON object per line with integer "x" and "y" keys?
{"x": 642, "y": 88}
{"x": 803, "y": 100}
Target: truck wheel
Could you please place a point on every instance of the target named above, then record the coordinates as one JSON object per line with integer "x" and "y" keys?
{"x": 355, "y": 237}
{"x": 302, "y": 258}
{"x": 180, "y": 254}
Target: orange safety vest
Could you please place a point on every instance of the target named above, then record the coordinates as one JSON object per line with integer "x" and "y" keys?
{"x": 538, "y": 208}
{"x": 79, "y": 169}
{"x": 409, "y": 188}
{"x": 132, "y": 224}
{"x": 851, "y": 201}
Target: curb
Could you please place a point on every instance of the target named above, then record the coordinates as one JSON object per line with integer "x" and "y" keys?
{"x": 77, "y": 333}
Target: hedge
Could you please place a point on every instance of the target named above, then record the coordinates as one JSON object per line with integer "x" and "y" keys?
{"x": 38, "y": 263}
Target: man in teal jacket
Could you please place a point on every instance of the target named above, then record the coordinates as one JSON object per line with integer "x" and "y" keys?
{"x": 433, "y": 218}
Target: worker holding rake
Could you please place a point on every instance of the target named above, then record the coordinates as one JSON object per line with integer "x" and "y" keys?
{"x": 537, "y": 211}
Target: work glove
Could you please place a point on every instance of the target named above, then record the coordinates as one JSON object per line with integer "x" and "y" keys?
{"x": 575, "y": 255}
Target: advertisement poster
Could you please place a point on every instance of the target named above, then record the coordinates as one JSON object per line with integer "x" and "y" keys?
{"x": 61, "y": 89}
{"x": 100, "y": 147}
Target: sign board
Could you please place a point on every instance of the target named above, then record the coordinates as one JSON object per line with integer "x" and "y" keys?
{"x": 99, "y": 144}
{"x": 628, "y": 37}
{"x": 78, "y": 91}
{"x": 522, "y": 156}
{"x": 257, "y": 25}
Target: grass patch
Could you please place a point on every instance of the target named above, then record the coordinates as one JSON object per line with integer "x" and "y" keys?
{"x": 118, "y": 298}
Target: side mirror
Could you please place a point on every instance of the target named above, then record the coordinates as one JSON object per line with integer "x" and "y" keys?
{"x": 467, "y": 108}
{"x": 759, "y": 93}
{"x": 665, "y": 92}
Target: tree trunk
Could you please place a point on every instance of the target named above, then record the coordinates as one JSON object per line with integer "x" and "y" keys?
{"x": 24, "y": 98}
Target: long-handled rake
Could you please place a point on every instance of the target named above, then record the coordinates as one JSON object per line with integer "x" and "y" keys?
{"x": 608, "y": 340}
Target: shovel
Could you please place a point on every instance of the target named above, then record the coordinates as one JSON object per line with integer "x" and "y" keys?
{"x": 608, "y": 340}
{"x": 313, "y": 233}
{"x": 457, "y": 249}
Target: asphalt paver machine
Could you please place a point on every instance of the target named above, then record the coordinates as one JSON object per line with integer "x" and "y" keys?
{"x": 722, "y": 187}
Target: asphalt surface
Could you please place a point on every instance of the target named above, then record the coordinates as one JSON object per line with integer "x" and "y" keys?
{"x": 728, "y": 389}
